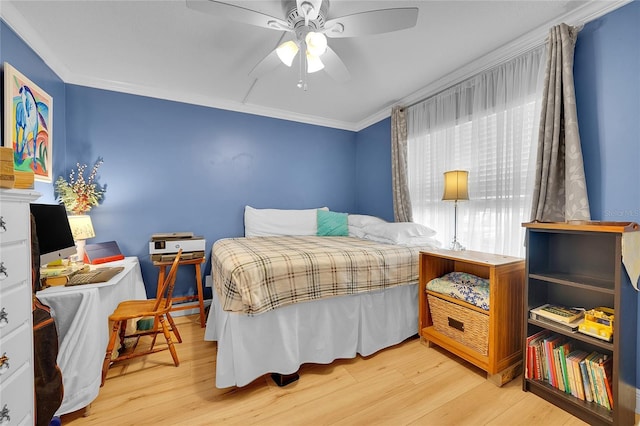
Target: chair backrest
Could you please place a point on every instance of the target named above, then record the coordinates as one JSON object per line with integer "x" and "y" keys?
{"x": 169, "y": 284}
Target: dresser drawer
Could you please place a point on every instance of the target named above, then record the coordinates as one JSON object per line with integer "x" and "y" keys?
{"x": 15, "y": 308}
{"x": 14, "y": 265}
{"x": 15, "y": 395}
{"x": 13, "y": 226}
{"x": 16, "y": 347}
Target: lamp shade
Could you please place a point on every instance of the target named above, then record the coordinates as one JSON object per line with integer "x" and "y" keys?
{"x": 81, "y": 227}
{"x": 455, "y": 185}
{"x": 316, "y": 43}
{"x": 287, "y": 51}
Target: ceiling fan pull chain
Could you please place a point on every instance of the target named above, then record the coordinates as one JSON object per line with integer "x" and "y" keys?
{"x": 300, "y": 82}
{"x": 302, "y": 70}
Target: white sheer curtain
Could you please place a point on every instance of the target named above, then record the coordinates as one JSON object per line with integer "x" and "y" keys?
{"x": 487, "y": 125}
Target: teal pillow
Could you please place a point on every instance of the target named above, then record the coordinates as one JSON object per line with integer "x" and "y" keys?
{"x": 332, "y": 224}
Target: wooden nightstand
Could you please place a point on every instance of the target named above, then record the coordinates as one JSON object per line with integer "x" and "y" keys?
{"x": 501, "y": 356}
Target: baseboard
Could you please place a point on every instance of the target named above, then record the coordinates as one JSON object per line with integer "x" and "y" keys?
{"x": 192, "y": 311}
{"x": 637, "y": 400}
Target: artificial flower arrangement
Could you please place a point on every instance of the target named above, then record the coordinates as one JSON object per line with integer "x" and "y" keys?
{"x": 78, "y": 194}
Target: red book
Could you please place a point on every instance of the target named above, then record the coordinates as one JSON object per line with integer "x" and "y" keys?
{"x": 533, "y": 364}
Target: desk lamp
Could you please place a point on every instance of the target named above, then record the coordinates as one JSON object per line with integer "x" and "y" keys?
{"x": 455, "y": 188}
{"x": 82, "y": 229}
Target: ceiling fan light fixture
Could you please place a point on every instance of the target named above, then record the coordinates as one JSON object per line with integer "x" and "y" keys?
{"x": 287, "y": 51}
{"x": 316, "y": 43}
{"x": 314, "y": 63}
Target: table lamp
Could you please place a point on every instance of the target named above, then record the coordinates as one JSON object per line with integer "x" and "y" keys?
{"x": 455, "y": 189}
{"x": 82, "y": 229}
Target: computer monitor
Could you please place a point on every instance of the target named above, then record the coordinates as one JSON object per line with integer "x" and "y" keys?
{"x": 55, "y": 239}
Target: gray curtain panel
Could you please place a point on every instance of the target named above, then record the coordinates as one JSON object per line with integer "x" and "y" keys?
{"x": 401, "y": 198}
{"x": 560, "y": 191}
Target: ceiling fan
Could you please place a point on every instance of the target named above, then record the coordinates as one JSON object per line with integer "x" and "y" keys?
{"x": 307, "y": 25}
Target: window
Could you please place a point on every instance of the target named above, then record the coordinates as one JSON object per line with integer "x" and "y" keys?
{"x": 487, "y": 125}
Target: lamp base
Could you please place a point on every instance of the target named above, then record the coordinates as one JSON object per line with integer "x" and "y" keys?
{"x": 456, "y": 246}
{"x": 80, "y": 251}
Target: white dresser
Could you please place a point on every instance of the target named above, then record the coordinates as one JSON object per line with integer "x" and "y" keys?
{"x": 16, "y": 332}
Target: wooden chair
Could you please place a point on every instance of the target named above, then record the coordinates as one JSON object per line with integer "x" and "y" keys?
{"x": 157, "y": 308}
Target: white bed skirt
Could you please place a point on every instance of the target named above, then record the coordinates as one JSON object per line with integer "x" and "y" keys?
{"x": 281, "y": 340}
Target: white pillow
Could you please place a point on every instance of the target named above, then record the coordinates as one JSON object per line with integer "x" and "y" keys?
{"x": 398, "y": 232}
{"x": 267, "y": 222}
{"x": 361, "y": 220}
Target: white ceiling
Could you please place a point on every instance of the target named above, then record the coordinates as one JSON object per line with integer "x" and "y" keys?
{"x": 163, "y": 49}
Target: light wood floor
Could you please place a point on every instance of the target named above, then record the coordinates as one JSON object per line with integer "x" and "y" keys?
{"x": 409, "y": 384}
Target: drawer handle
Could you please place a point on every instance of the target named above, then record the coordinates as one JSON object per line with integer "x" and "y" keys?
{"x": 3, "y": 224}
{"x": 4, "y": 363}
{"x": 4, "y": 414}
{"x": 458, "y": 325}
{"x": 4, "y": 317}
{"x": 3, "y": 271}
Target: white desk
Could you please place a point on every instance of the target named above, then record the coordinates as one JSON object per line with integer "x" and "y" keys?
{"x": 82, "y": 318}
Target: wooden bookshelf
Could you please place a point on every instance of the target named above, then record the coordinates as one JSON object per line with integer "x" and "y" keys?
{"x": 580, "y": 264}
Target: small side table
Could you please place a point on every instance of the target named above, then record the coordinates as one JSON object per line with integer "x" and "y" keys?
{"x": 162, "y": 271}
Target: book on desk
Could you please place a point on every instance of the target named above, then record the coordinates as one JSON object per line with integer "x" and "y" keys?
{"x": 72, "y": 276}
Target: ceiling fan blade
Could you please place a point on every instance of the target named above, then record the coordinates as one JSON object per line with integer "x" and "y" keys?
{"x": 334, "y": 66}
{"x": 238, "y": 14}
{"x": 266, "y": 65}
{"x": 372, "y": 22}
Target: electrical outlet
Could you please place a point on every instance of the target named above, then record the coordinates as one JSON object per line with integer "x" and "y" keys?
{"x": 208, "y": 282}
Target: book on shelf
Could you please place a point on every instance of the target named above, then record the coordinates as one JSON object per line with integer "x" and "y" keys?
{"x": 533, "y": 369}
{"x": 551, "y": 358}
{"x": 571, "y": 327}
{"x": 602, "y": 370}
{"x": 558, "y": 313}
{"x": 592, "y": 383}
{"x": 586, "y": 383}
{"x": 607, "y": 372}
{"x": 550, "y": 344}
{"x": 574, "y": 358}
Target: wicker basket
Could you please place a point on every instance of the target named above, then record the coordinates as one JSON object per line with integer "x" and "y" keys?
{"x": 463, "y": 325}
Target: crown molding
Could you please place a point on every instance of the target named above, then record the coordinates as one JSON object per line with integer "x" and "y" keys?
{"x": 578, "y": 17}
{"x": 587, "y": 13}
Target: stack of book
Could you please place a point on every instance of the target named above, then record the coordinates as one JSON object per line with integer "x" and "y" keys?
{"x": 24, "y": 179}
{"x": 568, "y": 319}
{"x": 7, "y": 177}
{"x": 55, "y": 276}
{"x": 551, "y": 358}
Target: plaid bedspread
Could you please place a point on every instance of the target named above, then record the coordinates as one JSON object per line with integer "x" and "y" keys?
{"x": 258, "y": 274}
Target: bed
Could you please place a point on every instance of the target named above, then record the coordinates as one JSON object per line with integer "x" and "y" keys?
{"x": 282, "y": 300}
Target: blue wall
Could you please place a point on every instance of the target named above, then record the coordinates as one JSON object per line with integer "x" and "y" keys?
{"x": 171, "y": 166}
{"x": 373, "y": 170}
{"x": 607, "y": 80}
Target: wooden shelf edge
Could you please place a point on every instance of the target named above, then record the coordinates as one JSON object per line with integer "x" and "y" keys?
{"x": 456, "y": 348}
{"x": 588, "y": 411}
{"x": 592, "y": 226}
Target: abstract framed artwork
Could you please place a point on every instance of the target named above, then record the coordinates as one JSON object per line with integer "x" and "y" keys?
{"x": 28, "y": 120}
